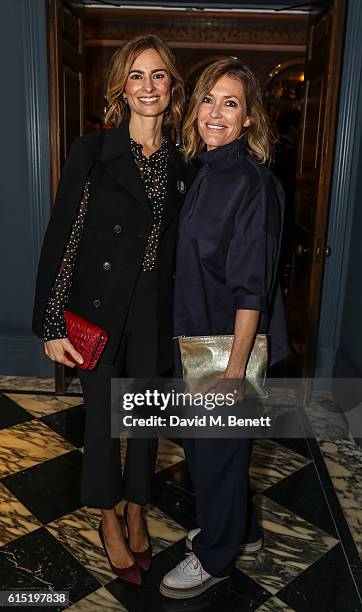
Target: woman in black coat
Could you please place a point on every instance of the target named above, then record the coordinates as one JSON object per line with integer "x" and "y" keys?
{"x": 108, "y": 256}
{"x": 226, "y": 283}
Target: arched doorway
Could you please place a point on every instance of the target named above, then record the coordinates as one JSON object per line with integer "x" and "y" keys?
{"x": 76, "y": 64}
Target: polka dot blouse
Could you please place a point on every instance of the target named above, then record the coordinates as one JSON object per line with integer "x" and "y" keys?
{"x": 153, "y": 172}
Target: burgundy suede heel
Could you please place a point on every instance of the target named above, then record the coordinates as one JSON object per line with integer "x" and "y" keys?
{"x": 130, "y": 574}
{"x": 144, "y": 558}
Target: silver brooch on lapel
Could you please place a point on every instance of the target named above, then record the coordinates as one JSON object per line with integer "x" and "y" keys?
{"x": 181, "y": 186}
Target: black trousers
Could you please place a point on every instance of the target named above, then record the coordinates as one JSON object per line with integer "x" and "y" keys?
{"x": 102, "y": 483}
{"x": 219, "y": 470}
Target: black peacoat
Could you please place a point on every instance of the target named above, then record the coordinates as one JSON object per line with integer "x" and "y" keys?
{"x": 118, "y": 221}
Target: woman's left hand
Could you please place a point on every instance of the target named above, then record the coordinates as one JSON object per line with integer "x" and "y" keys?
{"x": 223, "y": 383}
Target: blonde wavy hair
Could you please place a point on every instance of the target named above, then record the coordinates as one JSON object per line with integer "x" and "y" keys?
{"x": 121, "y": 63}
{"x": 258, "y": 135}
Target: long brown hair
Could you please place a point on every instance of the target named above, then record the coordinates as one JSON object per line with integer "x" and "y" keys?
{"x": 121, "y": 63}
{"x": 258, "y": 135}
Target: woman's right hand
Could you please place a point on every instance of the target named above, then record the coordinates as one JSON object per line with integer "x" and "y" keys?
{"x": 56, "y": 351}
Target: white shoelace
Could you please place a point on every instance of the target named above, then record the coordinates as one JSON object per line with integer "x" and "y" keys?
{"x": 191, "y": 560}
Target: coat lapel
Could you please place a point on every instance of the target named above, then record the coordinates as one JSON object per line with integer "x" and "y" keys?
{"x": 116, "y": 155}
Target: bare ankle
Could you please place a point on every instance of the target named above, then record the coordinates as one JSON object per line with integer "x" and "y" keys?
{"x": 134, "y": 510}
{"x": 109, "y": 517}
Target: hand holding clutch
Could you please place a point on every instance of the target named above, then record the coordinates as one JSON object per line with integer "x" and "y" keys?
{"x": 222, "y": 385}
{"x": 205, "y": 357}
{"x": 88, "y": 339}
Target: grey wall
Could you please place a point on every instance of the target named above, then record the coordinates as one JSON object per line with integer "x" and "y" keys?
{"x": 24, "y": 178}
{"x": 340, "y": 330}
{"x": 349, "y": 353}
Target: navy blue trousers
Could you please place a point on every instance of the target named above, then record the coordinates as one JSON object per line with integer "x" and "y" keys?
{"x": 219, "y": 470}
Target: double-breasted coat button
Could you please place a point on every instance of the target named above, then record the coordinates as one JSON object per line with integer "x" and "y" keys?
{"x": 106, "y": 265}
{"x": 96, "y": 303}
{"x": 139, "y": 235}
{"x": 117, "y": 229}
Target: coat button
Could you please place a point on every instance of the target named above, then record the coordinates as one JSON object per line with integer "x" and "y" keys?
{"x": 96, "y": 303}
{"x": 106, "y": 265}
{"x": 140, "y": 235}
{"x": 117, "y": 229}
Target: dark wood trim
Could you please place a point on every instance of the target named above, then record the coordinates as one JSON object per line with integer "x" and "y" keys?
{"x": 54, "y": 92}
{"x": 65, "y": 46}
{"x": 93, "y": 42}
{"x": 115, "y": 12}
{"x": 213, "y": 29}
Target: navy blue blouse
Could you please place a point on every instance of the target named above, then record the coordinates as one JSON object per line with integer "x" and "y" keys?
{"x": 228, "y": 248}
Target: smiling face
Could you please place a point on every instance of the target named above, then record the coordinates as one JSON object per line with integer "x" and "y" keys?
{"x": 148, "y": 85}
{"x": 222, "y": 113}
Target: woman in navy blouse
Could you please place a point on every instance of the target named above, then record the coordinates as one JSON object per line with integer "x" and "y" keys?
{"x": 226, "y": 283}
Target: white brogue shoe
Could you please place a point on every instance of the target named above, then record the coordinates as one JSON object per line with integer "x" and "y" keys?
{"x": 249, "y": 547}
{"x": 187, "y": 579}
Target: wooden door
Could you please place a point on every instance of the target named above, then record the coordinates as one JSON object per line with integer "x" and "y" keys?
{"x": 66, "y": 96}
{"x": 315, "y": 163}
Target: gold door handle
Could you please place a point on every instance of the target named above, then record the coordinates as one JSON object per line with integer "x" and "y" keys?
{"x": 327, "y": 251}
{"x": 301, "y": 250}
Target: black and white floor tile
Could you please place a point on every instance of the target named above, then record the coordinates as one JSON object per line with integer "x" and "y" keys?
{"x": 308, "y": 497}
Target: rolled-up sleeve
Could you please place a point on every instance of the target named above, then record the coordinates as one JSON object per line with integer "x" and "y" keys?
{"x": 253, "y": 251}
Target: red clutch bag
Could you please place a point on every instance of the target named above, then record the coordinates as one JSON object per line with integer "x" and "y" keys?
{"x": 88, "y": 339}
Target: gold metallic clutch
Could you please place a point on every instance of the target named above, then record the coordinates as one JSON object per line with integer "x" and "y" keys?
{"x": 208, "y": 356}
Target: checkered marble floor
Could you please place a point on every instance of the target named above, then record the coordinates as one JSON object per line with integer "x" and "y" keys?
{"x": 48, "y": 540}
